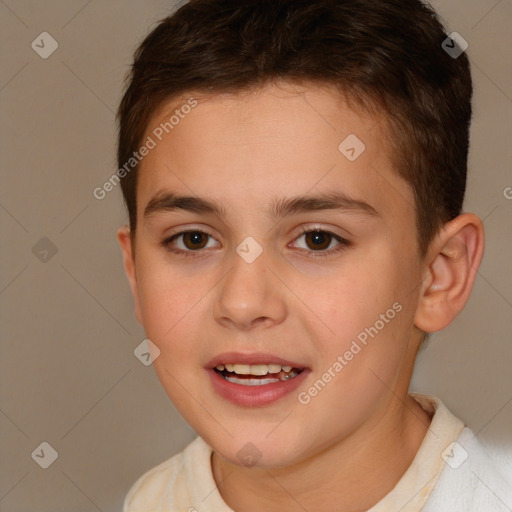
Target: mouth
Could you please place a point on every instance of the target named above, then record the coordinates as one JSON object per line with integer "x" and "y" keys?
{"x": 254, "y": 379}
{"x": 256, "y": 375}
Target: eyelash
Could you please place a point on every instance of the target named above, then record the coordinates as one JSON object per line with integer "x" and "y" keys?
{"x": 343, "y": 243}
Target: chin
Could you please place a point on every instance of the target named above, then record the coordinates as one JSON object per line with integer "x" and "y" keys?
{"x": 258, "y": 450}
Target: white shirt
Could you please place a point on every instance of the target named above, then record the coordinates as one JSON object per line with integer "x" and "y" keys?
{"x": 450, "y": 473}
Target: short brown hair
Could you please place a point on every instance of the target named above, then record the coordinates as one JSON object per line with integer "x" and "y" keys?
{"x": 382, "y": 53}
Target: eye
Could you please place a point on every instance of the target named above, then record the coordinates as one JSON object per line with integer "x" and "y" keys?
{"x": 318, "y": 240}
{"x": 191, "y": 241}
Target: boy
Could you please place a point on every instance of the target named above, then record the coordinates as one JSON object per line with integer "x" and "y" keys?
{"x": 294, "y": 173}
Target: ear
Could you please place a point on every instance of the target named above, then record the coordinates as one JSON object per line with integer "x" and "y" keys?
{"x": 127, "y": 247}
{"x": 454, "y": 255}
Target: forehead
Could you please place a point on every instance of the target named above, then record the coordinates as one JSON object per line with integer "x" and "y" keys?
{"x": 248, "y": 148}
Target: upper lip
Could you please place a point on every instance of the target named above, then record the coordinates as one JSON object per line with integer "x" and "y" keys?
{"x": 251, "y": 358}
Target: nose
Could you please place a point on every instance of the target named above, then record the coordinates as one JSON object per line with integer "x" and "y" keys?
{"x": 250, "y": 295}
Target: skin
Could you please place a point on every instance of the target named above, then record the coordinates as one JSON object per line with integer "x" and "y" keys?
{"x": 348, "y": 447}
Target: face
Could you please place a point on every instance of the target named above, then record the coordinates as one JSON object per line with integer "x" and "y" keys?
{"x": 297, "y": 248}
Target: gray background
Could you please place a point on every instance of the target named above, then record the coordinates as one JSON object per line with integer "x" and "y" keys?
{"x": 68, "y": 372}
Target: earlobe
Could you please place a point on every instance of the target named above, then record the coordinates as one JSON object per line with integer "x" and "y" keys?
{"x": 125, "y": 241}
{"x": 454, "y": 257}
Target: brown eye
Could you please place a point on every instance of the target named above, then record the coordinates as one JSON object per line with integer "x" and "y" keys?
{"x": 194, "y": 240}
{"x": 189, "y": 243}
{"x": 318, "y": 240}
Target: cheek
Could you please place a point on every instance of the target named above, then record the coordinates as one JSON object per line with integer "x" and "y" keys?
{"x": 166, "y": 304}
{"x": 166, "y": 293}
{"x": 349, "y": 298}
{"x": 162, "y": 305}
{"x": 365, "y": 314}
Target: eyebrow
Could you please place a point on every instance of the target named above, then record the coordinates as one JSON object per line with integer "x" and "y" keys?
{"x": 279, "y": 208}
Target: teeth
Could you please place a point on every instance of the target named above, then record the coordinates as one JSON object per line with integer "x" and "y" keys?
{"x": 257, "y": 369}
{"x": 251, "y": 382}
{"x": 241, "y": 369}
{"x": 254, "y": 369}
{"x": 281, "y": 376}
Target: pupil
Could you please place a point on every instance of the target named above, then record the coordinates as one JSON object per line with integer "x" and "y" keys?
{"x": 319, "y": 239}
{"x": 195, "y": 238}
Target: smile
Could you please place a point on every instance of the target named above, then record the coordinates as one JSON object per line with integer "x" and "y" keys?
{"x": 256, "y": 375}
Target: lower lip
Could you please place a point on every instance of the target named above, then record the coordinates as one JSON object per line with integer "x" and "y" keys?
{"x": 255, "y": 396}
